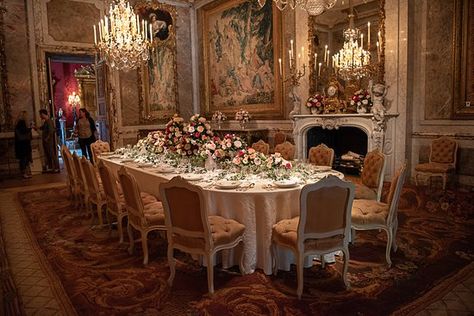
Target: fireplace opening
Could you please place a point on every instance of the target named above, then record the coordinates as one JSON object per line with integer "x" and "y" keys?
{"x": 349, "y": 144}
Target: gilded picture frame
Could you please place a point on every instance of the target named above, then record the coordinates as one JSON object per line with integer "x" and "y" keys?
{"x": 241, "y": 43}
{"x": 158, "y": 78}
{"x": 463, "y": 57}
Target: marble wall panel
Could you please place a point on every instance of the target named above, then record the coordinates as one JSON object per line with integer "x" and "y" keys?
{"x": 18, "y": 58}
{"x": 71, "y": 21}
{"x": 439, "y": 59}
{"x": 184, "y": 62}
{"x": 129, "y": 98}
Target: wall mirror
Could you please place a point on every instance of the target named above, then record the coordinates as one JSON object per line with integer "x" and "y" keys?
{"x": 326, "y": 37}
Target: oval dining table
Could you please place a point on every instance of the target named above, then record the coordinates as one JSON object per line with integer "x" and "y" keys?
{"x": 256, "y": 204}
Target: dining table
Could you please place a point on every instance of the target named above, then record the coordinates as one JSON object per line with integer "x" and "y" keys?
{"x": 257, "y": 203}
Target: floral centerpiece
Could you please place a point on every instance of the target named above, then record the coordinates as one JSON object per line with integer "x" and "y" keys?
{"x": 249, "y": 157}
{"x": 154, "y": 142}
{"x": 196, "y": 133}
{"x": 174, "y": 133}
{"x": 243, "y": 117}
{"x": 219, "y": 117}
{"x": 231, "y": 144}
{"x": 315, "y": 103}
{"x": 362, "y": 101}
{"x": 277, "y": 167}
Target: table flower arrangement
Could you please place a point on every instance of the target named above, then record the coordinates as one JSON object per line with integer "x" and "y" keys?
{"x": 196, "y": 133}
{"x": 219, "y": 117}
{"x": 174, "y": 133}
{"x": 362, "y": 101}
{"x": 231, "y": 144}
{"x": 243, "y": 117}
{"x": 315, "y": 103}
{"x": 249, "y": 157}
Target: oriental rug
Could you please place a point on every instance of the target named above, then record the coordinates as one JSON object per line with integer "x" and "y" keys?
{"x": 435, "y": 249}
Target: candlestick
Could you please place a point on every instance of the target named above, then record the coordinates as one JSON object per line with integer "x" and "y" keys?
{"x": 279, "y": 63}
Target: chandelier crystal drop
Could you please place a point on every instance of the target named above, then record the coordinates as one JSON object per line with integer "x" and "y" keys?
{"x": 123, "y": 38}
{"x": 352, "y": 61}
{"x": 313, "y": 7}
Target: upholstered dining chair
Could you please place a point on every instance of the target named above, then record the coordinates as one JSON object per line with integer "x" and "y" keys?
{"x": 191, "y": 229}
{"x": 286, "y": 149}
{"x": 261, "y": 146}
{"x": 99, "y": 147}
{"x": 96, "y": 194}
{"x": 371, "y": 214}
{"x": 115, "y": 199}
{"x": 81, "y": 182}
{"x": 142, "y": 217}
{"x": 442, "y": 160}
{"x": 71, "y": 174}
{"x": 279, "y": 138}
{"x": 324, "y": 225}
{"x": 372, "y": 177}
{"x": 321, "y": 155}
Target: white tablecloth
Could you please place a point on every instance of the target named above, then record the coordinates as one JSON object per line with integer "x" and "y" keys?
{"x": 257, "y": 208}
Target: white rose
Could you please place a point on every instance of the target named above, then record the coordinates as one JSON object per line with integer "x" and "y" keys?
{"x": 257, "y": 161}
{"x": 365, "y": 102}
{"x": 200, "y": 129}
{"x": 191, "y": 129}
{"x": 237, "y": 144}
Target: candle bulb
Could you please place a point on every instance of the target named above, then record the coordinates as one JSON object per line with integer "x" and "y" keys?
{"x": 327, "y": 60}
{"x": 319, "y": 69}
{"x": 279, "y": 63}
{"x": 315, "y": 61}
{"x": 325, "y": 52}
{"x": 291, "y": 48}
{"x": 362, "y": 40}
{"x": 95, "y": 36}
{"x": 378, "y": 51}
{"x": 289, "y": 54}
{"x": 368, "y": 34}
{"x": 151, "y": 33}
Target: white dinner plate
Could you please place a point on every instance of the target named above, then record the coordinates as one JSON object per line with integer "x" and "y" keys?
{"x": 192, "y": 177}
{"x": 286, "y": 183}
{"x": 227, "y": 184}
{"x": 322, "y": 168}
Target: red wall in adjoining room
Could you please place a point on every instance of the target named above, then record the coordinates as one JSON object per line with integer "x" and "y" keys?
{"x": 64, "y": 83}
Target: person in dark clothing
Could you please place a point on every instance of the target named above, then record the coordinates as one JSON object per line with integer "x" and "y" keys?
{"x": 23, "y": 138}
{"x": 86, "y": 130}
{"x": 48, "y": 136}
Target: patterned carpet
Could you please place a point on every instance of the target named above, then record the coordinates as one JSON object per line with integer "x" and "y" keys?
{"x": 435, "y": 241}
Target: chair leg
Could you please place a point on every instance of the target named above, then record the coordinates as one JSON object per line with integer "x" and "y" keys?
{"x": 394, "y": 240}
{"x": 145, "y": 247}
{"x": 172, "y": 264}
{"x": 241, "y": 262}
{"x": 210, "y": 273}
{"x": 119, "y": 228}
{"x": 389, "y": 246}
{"x": 299, "y": 275}
{"x": 323, "y": 261}
{"x": 99, "y": 213}
{"x": 345, "y": 250}
{"x": 131, "y": 239}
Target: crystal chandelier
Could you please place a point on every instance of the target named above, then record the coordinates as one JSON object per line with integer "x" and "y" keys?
{"x": 313, "y": 7}
{"x": 352, "y": 61}
{"x": 123, "y": 38}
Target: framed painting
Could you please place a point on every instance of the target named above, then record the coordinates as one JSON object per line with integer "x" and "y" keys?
{"x": 158, "y": 84}
{"x": 241, "y": 45}
{"x": 463, "y": 50}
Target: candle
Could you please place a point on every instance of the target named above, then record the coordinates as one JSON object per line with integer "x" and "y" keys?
{"x": 291, "y": 48}
{"x": 378, "y": 51}
{"x": 325, "y": 52}
{"x": 362, "y": 40}
{"x": 319, "y": 70}
{"x": 100, "y": 30}
{"x": 289, "y": 54}
{"x": 95, "y": 36}
{"x": 327, "y": 60}
{"x": 279, "y": 63}
{"x": 315, "y": 61}
{"x": 368, "y": 34}
{"x": 151, "y": 33}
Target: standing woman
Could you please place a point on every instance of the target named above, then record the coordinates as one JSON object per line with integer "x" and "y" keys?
{"x": 23, "y": 138}
{"x": 85, "y": 129}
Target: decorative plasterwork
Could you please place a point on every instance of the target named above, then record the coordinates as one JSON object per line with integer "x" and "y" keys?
{"x": 375, "y": 129}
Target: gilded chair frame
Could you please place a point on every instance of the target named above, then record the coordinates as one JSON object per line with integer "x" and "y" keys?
{"x": 327, "y": 149}
{"x": 81, "y": 182}
{"x": 210, "y": 249}
{"x": 96, "y": 148}
{"x": 95, "y": 196}
{"x": 71, "y": 175}
{"x": 261, "y": 146}
{"x": 286, "y": 149}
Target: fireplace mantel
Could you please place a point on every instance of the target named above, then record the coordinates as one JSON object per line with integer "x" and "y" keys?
{"x": 374, "y": 126}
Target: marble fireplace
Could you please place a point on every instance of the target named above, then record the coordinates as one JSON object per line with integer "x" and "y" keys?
{"x": 375, "y": 129}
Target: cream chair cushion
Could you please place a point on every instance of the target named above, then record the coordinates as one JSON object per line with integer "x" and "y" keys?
{"x": 434, "y": 167}
{"x": 364, "y": 192}
{"x": 369, "y": 212}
